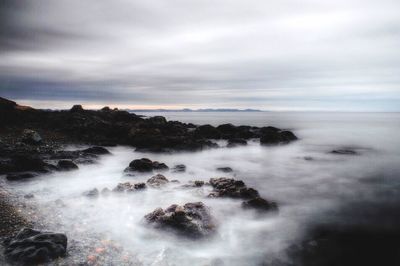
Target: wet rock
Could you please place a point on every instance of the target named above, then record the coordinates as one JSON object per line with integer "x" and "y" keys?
{"x": 146, "y": 165}
{"x": 344, "y": 152}
{"x": 97, "y": 150}
{"x": 179, "y": 168}
{"x": 236, "y": 142}
{"x": 227, "y": 130}
{"x": 31, "y": 247}
{"x": 225, "y": 169}
{"x": 66, "y": 165}
{"x": 106, "y": 109}
{"x": 94, "y": 193}
{"x": 229, "y": 187}
{"x": 157, "y": 181}
{"x": 192, "y": 220}
{"x": 76, "y": 108}
{"x": 157, "y": 120}
{"x": 194, "y": 184}
{"x": 260, "y": 204}
{"x": 272, "y": 136}
{"x": 31, "y": 137}
{"x": 20, "y": 176}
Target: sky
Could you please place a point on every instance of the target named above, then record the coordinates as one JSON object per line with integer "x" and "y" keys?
{"x": 289, "y": 55}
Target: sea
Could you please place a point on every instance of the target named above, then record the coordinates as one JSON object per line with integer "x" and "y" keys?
{"x": 310, "y": 185}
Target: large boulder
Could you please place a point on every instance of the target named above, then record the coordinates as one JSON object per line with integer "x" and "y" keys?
{"x": 31, "y": 137}
{"x": 31, "y": 247}
{"x": 146, "y": 165}
{"x": 76, "y": 108}
{"x": 191, "y": 220}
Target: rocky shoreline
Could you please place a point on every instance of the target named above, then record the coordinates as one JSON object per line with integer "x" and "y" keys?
{"x": 32, "y": 143}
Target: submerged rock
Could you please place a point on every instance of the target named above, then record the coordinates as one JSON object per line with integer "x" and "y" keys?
{"x": 344, "y": 152}
{"x": 146, "y": 165}
{"x": 31, "y": 247}
{"x": 179, "y": 168}
{"x": 260, "y": 204}
{"x": 20, "y": 176}
{"x": 157, "y": 181}
{"x": 31, "y": 137}
{"x": 94, "y": 193}
{"x": 66, "y": 165}
{"x": 225, "y": 169}
{"x": 190, "y": 220}
{"x": 129, "y": 187}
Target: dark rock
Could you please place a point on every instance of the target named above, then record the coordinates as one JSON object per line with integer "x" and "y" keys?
{"x": 31, "y": 137}
{"x": 146, "y": 165}
{"x": 31, "y": 247}
{"x": 344, "y": 152}
{"x": 260, "y": 204}
{"x": 94, "y": 193}
{"x": 76, "y": 108}
{"x": 236, "y": 142}
{"x": 20, "y": 176}
{"x": 227, "y": 130}
{"x": 225, "y": 169}
{"x": 106, "y": 109}
{"x": 179, "y": 168}
{"x": 193, "y": 184}
{"x": 228, "y": 187}
{"x": 24, "y": 162}
{"x": 191, "y": 220}
{"x": 66, "y": 165}
{"x": 96, "y": 150}
{"x": 157, "y": 181}
{"x": 207, "y": 132}
{"x": 157, "y": 120}
{"x": 272, "y": 137}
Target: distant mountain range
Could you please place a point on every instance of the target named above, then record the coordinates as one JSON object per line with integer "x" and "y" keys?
{"x": 194, "y": 110}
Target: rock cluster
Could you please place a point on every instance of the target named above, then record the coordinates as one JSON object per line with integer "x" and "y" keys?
{"x": 229, "y": 187}
{"x": 191, "y": 220}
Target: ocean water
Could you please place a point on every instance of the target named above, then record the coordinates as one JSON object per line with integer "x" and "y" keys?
{"x": 309, "y": 184}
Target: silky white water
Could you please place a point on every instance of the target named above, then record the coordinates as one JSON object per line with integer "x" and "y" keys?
{"x": 306, "y": 191}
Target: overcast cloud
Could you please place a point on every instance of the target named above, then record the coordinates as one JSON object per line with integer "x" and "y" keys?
{"x": 273, "y": 55}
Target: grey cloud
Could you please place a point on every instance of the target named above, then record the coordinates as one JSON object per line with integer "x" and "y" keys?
{"x": 200, "y": 52}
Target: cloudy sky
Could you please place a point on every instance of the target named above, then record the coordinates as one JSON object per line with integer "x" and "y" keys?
{"x": 274, "y": 55}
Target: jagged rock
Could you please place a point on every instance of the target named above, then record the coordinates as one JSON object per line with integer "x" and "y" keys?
{"x": 228, "y": 187}
{"x": 236, "y": 142}
{"x": 157, "y": 181}
{"x": 260, "y": 204}
{"x": 31, "y": 247}
{"x": 66, "y": 165}
{"x": 225, "y": 169}
{"x": 146, "y": 165}
{"x": 31, "y": 137}
{"x": 97, "y": 150}
{"x": 191, "y": 220}
{"x": 179, "y": 168}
